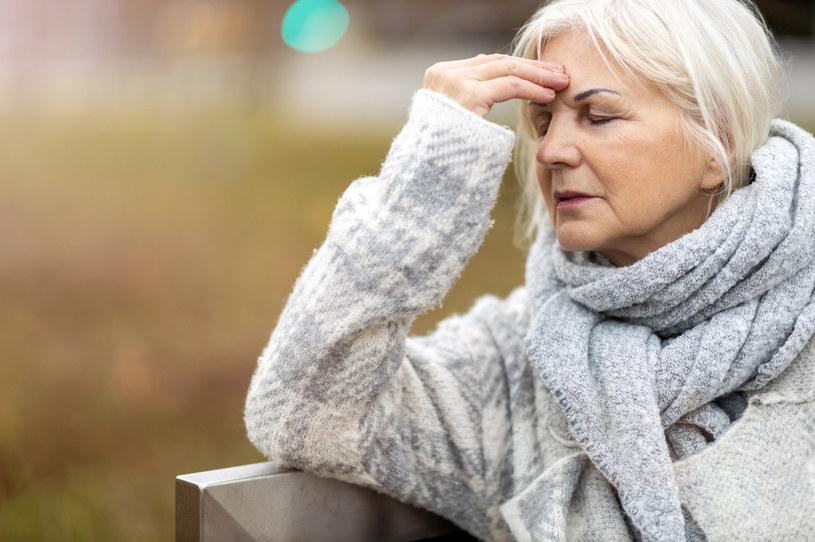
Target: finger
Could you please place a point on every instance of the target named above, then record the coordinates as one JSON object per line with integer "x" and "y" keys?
{"x": 477, "y": 60}
{"x": 451, "y": 65}
{"x": 478, "y": 83}
{"x": 534, "y": 62}
{"x": 482, "y": 59}
{"x": 447, "y": 69}
{"x": 485, "y": 67}
{"x": 531, "y": 70}
{"x": 481, "y": 96}
{"x": 503, "y": 89}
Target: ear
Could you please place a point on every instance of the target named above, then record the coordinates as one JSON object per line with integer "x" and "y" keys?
{"x": 712, "y": 177}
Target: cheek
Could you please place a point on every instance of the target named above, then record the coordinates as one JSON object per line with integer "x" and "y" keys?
{"x": 545, "y": 185}
{"x": 643, "y": 169}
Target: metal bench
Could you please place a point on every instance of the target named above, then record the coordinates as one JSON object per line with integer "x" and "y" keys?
{"x": 264, "y": 502}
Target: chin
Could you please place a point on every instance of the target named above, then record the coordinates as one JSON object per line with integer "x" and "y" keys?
{"x": 575, "y": 241}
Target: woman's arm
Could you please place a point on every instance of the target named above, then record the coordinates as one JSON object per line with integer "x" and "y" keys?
{"x": 396, "y": 244}
{"x": 337, "y": 390}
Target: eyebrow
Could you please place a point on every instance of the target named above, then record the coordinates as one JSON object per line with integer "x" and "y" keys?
{"x": 582, "y": 96}
{"x": 586, "y": 93}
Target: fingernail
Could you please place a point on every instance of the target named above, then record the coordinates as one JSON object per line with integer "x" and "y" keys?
{"x": 556, "y": 67}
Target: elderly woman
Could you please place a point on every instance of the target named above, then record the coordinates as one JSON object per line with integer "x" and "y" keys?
{"x": 654, "y": 379}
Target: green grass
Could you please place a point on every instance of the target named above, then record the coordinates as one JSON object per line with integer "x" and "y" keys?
{"x": 143, "y": 263}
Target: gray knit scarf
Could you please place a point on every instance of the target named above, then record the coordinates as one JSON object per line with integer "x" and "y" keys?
{"x": 640, "y": 357}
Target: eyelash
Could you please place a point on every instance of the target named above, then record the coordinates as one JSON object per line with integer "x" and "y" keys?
{"x": 597, "y": 122}
{"x": 593, "y": 122}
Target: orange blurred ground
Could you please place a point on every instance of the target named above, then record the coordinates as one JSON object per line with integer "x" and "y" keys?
{"x": 143, "y": 262}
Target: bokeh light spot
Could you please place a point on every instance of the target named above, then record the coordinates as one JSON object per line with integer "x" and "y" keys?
{"x": 314, "y": 25}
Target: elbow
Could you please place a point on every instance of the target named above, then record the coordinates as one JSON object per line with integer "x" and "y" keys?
{"x": 268, "y": 416}
{"x": 302, "y": 436}
{"x": 270, "y": 409}
{"x": 260, "y": 427}
{"x": 284, "y": 428}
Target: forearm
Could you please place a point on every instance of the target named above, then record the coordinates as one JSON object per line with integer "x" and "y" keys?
{"x": 397, "y": 242}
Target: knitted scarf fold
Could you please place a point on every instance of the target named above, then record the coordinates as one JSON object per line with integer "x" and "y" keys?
{"x": 637, "y": 356}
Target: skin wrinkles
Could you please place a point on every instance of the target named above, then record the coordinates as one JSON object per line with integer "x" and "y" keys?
{"x": 581, "y": 96}
{"x": 615, "y": 171}
{"x": 585, "y": 94}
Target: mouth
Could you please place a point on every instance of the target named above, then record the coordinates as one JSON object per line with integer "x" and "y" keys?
{"x": 569, "y": 198}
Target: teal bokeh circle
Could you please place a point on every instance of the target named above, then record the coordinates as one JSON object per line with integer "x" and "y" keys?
{"x": 314, "y": 25}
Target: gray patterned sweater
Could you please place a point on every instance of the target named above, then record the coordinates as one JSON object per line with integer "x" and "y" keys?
{"x": 459, "y": 422}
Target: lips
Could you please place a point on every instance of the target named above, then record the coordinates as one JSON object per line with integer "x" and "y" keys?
{"x": 569, "y": 198}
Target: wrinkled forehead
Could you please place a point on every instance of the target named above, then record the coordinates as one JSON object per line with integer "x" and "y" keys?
{"x": 584, "y": 56}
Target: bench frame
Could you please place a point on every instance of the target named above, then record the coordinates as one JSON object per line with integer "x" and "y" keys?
{"x": 266, "y": 502}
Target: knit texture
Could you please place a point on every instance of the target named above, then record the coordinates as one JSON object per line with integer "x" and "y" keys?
{"x": 460, "y": 422}
{"x": 638, "y": 353}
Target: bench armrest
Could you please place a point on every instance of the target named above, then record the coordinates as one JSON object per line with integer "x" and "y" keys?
{"x": 264, "y": 501}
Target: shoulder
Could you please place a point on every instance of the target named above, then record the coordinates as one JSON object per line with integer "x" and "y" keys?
{"x": 514, "y": 311}
{"x": 795, "y": 385}
{"x": 758, "y": 479}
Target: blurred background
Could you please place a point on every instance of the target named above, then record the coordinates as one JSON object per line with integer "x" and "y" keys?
{"x": 166, "y": 169}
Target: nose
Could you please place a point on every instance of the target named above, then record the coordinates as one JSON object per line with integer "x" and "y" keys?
{"x": 558, "y": 148}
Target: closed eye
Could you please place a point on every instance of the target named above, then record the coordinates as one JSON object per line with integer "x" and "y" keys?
{"x": 540, "y": 123}
{"x": 539, "y": 118}
{"x": 599, "y": 121}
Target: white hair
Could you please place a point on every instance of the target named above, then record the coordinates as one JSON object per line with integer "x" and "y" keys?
{"x": 715, "y": 60}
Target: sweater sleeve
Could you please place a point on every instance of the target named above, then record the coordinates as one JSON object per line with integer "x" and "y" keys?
{"x": 340, "y": 390}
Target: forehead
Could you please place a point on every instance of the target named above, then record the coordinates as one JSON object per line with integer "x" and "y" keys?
{"x": 588, "y": 68}
{"x": 579, "y": 56}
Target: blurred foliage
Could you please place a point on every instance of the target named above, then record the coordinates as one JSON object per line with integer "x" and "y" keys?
{"x": 143, "y": 263}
